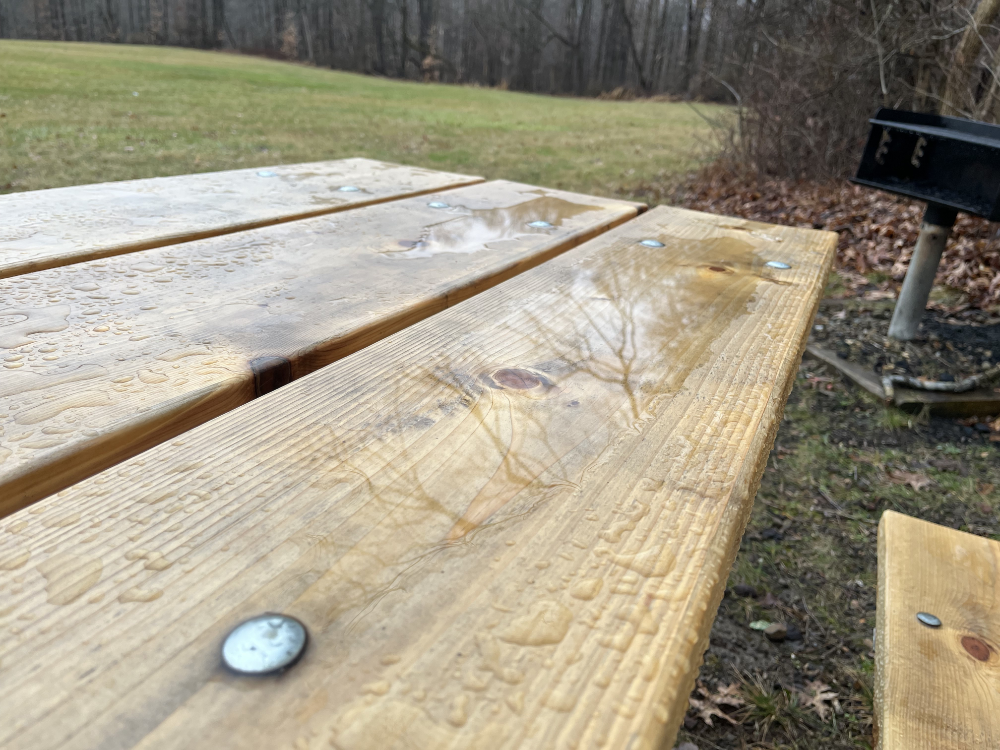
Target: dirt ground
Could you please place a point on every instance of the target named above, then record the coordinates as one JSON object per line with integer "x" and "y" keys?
{"x": 808, "y": 558}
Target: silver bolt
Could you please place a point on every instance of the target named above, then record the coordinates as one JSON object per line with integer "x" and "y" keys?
{"x": 777, "y": 264}
{"x": 438, "y": 204}
{"x": 349, "y": 189}
{"x": 652, "y": 243}
{"x": 540, "y": 224}
{"x": 928, "y": 619}
{"x": 264, "y": 644}
{"x": 266, "y": 173}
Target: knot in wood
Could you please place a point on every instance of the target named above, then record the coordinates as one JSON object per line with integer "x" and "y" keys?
{"x": 513, "y": 377}
{"x": 976, "y": 648}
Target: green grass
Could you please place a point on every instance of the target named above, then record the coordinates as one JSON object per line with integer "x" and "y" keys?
{"x": 80, "y": 113}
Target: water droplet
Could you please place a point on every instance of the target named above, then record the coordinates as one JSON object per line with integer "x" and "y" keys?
{"x": 438, "y": 204}
{"x": 515, "y": 702}
{"x": 377, "y": 688}
{"x": 60, "y": 522}
{"x": 539, "y": 224}
{"x": 587, "y": 589}
{"x": 136, "y": 594}
{"x": 68, "y": 577}
{"x": 349, "y": 189}
{"x": 777, "y": 264}
{"x": 652, "y": 243}
{"x": 459, "y": 714}
{"x": 14, "y": 559}
{"x": 547, "y": 622}
{"x": 266, "y": 173}
{"x": 264, "y": 644}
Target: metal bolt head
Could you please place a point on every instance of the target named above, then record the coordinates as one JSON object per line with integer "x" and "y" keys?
{"x": 438, "y": 204}
{"x": 266, "y": 173}
{"x": 777, "y": 264}
{"x": 928, "y": 619}
{"x": 264, "y": 644}
{"x": 651, "y": 243}
{"x": 349, "y": 189}
{"x": 539, "y": 224}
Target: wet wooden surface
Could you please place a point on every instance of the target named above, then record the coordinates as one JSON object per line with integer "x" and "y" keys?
{"x": 507, "y": 526}
{"x": 48, "y": 228}
{"x": 936, "y": 688}
{"x": 106, "y": 358}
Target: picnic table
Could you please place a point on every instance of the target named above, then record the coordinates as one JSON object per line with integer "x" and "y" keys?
{"x": 491, "y": 446}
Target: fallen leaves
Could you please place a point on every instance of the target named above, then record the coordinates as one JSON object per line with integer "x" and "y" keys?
{"x": 816, "y": 696}
{"x": 711, "y": 704}
{"x": 916, "y": 480}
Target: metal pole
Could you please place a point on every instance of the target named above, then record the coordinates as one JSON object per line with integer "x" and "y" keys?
{"x": 934, "y": 231}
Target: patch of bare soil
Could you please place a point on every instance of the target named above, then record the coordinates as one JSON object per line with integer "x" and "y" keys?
{"x": 950, "y": 346}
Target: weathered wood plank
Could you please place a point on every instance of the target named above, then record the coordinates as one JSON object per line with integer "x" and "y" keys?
{"x": 107, "y": 358}
{"x": 936, "y": 688}
{"x": 508, "y": 526}
{"x": 48, "y": 228}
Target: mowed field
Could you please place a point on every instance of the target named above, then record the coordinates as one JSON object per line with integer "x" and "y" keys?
{"x": 80, "y": 113}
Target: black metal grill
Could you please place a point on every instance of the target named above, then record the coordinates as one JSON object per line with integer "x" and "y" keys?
{"x": 943, "y": 160}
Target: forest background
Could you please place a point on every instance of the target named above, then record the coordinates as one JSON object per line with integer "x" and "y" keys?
{"x": 805, "y": 74}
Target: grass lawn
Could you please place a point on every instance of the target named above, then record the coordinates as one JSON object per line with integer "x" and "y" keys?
{"x": 79, "y": 113}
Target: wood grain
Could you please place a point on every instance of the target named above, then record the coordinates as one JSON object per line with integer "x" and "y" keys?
{"x": 936, "y": 688}
{"x": 109, "y": 357}
{"x": 507, "y": 526}
{"x": 48, "y": 228}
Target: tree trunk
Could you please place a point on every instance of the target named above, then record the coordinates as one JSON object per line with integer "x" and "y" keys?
{"x": 958, "y": 101}
{"x": 426, "y": 13}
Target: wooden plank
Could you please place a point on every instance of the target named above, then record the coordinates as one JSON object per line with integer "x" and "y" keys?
{"x": 936, "y": 688}
{"x": 982, "y": 402}
{"x": 860, "y": 376}
{"x": 508, "y": 526}
{"x": 48, "y": 228}
{"x": 107, "y": 358}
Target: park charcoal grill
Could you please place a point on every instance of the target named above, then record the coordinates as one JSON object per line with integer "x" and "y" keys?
{"x": 951, "y": 164}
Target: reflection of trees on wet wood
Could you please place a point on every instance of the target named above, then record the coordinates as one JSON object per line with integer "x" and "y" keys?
{"x": 49, "y": 228}
{"x": 507, "y": 526}
{"x": 936, "y": 688}
{"x": 107, "y": 358}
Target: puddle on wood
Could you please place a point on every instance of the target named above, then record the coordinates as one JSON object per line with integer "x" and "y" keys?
{"x": 476, "y": 229}
{"x": 592, "y": 361}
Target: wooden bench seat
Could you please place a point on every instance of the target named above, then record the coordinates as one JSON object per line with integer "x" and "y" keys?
{"x": 106, "y": 358}
{"x": 48, "y": 228}
{"x": 936, "y": 688}
{"x": 506, "y": 526}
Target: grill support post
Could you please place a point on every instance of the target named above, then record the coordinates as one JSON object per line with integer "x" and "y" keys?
{"x": 934, "y": 231}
